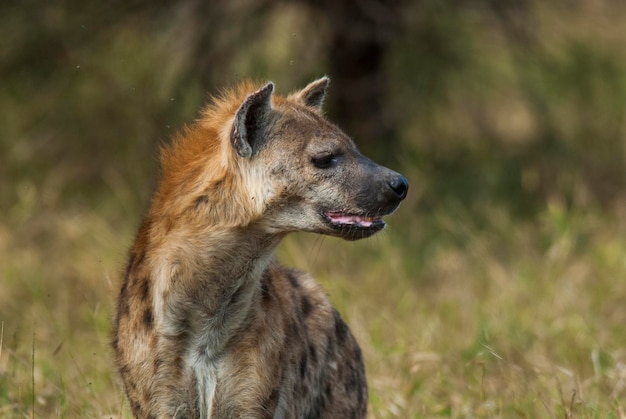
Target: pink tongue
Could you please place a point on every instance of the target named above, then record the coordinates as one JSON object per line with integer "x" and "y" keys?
{"x": 351, "y": 219}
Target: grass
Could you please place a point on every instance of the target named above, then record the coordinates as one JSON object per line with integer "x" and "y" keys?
{"x": 521, "y": 321}
{"x": 513, "y": 319}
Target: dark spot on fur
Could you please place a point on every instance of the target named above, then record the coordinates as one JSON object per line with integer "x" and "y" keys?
{"x": 269, "y": 404}
{"x": 122, "y": 305}
{"x": 328, "y": 391}
{"x": 307, "y": 307}
{"x": 303, "y": 364}
{"x": 235, "y": 298}
{"x": 267, "y": 287}
{"x": 220, "y": 184}
{"x": 133, "y": 262}
{"x": 352, "y": 379}
{"x": 341, "y": 330}
{"x": 330, "y": 347}
{"x": 200, "y": 201}
{"x": 140, "y": 259}
{"x": 361, "y": 394}
{"x": 156, "y": 364}
{"x": 293, "y": 279}
{"x": 124, "y": 370}
{"x": 147, "y": 318}
{"x": 357, "y": 355}
{"x": 313, "y": 354}
{"x": 135, "y": 407}
{"x": 145, "y": 289}
{"x": 124, "y": 289}
{"x": 265, "y": 292}
{"x": 122, "y": 301}
{"x": 146, "y": 399}
{"x": 352, "y": 382}
{"x": 129, "y": 267}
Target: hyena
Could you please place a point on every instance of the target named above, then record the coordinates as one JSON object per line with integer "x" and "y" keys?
{"x": 208, "y": 324}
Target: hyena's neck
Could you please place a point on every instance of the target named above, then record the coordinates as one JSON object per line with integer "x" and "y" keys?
{"x": 206, "y": 282}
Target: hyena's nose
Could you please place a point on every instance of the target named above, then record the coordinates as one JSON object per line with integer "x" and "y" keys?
{"x": 400, "y": 186}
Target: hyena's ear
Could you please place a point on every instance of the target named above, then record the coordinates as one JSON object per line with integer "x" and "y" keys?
{"x": 251, "y": 119}
{"x": 314, "y": 94}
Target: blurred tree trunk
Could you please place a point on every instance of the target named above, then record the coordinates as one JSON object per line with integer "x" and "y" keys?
{"x": 361, "y": 33}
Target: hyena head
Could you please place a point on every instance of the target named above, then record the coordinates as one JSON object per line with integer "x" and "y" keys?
{"x": 309, "y": 173}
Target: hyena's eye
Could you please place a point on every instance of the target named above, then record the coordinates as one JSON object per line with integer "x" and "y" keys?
{"x": 324, "y": 161}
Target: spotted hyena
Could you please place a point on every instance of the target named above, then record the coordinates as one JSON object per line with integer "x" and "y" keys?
{"x": 208, "y": 324}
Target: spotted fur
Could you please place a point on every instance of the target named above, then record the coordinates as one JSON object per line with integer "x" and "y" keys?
{"x": 208, "y": 324}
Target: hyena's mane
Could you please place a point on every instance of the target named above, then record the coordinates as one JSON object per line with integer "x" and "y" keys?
{"x": 200, "y": 172}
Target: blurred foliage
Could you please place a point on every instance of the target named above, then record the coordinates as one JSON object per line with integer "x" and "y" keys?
{"x": 508, "y": 118}
{"x": 507, "y": 101}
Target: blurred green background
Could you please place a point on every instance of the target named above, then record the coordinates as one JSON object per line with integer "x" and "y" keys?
{"x": 499, "y": 287}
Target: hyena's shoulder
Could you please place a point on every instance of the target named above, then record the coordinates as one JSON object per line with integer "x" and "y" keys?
{"x": 318, "y": 354}
{"x": 297, "y": 291}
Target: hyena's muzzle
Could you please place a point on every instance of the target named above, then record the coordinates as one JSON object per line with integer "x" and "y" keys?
{"x": 370, "y": 191}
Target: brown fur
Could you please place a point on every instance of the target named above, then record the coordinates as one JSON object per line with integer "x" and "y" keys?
{"x": 208, "y": 324}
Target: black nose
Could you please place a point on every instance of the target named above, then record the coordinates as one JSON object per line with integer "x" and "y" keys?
{"x": 400, "y": 186}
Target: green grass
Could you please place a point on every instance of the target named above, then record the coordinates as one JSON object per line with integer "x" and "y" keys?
{"x": 513, "y": 319}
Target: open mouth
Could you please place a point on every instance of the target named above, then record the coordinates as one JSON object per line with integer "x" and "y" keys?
{"x": 354, "y": 226}
{"x": 340, "y": 219}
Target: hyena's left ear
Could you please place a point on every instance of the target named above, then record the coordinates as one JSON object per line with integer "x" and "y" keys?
{"x": 251, "y": 120}
{"x": 314, "y": 94}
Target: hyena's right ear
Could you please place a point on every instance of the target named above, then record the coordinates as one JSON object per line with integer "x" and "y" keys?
{"x": 250, "y": 120}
